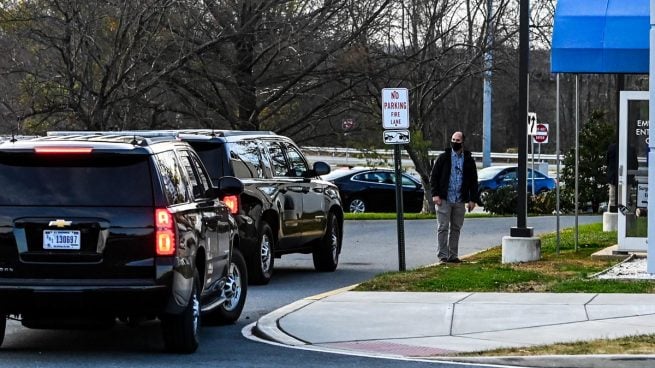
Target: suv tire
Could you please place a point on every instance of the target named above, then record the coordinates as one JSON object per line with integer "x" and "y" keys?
{"x": 181, "y": 331}
{"x": 262, "y": 261}
{"x": 326, "y": 253}
{"x": 235, "y": 290}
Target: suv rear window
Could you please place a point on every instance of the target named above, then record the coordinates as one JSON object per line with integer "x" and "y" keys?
{"x": 75, "y": 181}
{"x": 212, "y": 156}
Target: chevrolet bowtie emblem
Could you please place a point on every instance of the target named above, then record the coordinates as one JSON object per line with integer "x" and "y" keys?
{"x": 60, "y": 223}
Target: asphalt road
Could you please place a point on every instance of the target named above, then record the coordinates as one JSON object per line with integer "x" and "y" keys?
{"x": 370, "y": 247}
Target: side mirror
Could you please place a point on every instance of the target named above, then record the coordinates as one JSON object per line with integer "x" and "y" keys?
{"x": 321, "y": 168}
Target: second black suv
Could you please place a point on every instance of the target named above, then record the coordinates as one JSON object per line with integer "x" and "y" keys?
{"x": 285, "y": 206}
{"x": 98, "y": 228}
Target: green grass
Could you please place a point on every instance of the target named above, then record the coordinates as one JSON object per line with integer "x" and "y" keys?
{"x": 642, "y": 344}
{"x": 566, "y": 271}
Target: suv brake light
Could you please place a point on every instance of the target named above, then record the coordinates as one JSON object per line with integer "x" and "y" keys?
{"x": 232, "y": 202}
{"x": 165, "y": 232}
{"x": 62, "y": 150}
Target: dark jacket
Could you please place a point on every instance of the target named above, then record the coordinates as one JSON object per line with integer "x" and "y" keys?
{"x": 440, "y": 177}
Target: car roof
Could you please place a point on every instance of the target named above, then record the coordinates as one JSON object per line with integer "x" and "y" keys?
{"x": 499, "y": 168}
{"x": 345, "y": 171}
{"x": 104, "y": 143}
{"x": 225, "y": 135}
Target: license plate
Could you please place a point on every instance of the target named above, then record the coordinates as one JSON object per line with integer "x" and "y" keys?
{"x": 61, "y": 239}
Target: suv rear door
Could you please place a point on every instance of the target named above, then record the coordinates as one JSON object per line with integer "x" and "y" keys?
{"x": 313, "y": 203}
{"x": 291, "y": 192}
{"x": 304, "y": 203}
{"x": 215, "y": 214}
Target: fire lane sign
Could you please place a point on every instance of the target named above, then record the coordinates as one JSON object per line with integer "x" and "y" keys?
{"x": 395, "y": 108}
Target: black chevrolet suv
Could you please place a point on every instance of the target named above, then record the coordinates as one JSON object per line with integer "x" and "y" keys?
{"x": 95, "y": 229}
{"x": 285, "y": 206}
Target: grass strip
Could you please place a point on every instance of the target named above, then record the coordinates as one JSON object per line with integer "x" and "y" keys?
{"x": 565, "y": 272}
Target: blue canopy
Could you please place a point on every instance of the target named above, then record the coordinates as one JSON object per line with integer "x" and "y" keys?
{"x": 601, "y": 36}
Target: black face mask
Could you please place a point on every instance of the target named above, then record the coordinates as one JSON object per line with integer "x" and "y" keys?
{"x": 456, "y": 146}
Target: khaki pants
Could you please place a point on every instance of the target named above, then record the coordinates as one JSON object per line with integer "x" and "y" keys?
{"x": 450, "y": 218}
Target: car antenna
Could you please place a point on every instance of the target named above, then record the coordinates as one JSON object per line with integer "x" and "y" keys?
{"x": 137, "y": 142}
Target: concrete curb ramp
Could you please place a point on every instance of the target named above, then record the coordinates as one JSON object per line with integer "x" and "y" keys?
{"x": 433, "y": 325}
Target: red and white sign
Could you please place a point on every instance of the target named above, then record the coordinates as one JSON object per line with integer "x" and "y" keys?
{"x": 347, "y": 124}
{"x": 540, "y": 134}
{"x": 395, "y": 108}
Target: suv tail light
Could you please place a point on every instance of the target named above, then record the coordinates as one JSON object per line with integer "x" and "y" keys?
{"x": 232, "y": 202}
{"x": 165, "y": 232}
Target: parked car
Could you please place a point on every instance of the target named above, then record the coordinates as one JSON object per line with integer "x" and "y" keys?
{"x": 374, "y": 190}
{"x": 93, "y": 229}
{"x": 494, "y": 177}
{"x": 285, "y": 206}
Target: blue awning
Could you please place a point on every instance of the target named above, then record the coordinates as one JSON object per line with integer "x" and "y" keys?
{"x": 601, "y": 36}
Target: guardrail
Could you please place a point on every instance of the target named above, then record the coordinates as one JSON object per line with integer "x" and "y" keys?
{"x": 340, "y": 156}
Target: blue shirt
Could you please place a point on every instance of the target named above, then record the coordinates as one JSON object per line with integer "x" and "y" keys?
{"x": 455, "y": 182}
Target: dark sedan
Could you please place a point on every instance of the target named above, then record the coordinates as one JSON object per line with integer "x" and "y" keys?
{"x": 374, "y": 190}
{"x": 494, "y": 177}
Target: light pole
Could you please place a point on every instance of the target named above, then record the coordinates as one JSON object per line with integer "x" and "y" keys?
{"x": 487, "y": 90}
{"x": 521, "y": 230}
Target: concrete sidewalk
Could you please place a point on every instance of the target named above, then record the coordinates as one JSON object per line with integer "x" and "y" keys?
{"x": 434, "y": 325}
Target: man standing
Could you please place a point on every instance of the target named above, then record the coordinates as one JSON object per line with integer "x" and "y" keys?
{"x": 454, "y": 182}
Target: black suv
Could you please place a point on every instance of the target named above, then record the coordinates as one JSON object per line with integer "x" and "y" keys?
{"x": 285, "y": 206}
{"x": 94, "y": 229}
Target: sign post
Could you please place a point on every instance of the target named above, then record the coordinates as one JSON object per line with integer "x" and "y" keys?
{"x": 395, "y": 121}
{"x": 540, "y": 136}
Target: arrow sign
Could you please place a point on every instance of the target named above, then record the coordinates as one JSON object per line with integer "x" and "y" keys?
{"x": 532, "y": 123}
{"x": 396, "y": 136}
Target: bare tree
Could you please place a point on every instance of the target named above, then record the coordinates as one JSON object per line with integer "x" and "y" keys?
{"x": 284, "y": 66}
{"x": 92, "y": 64}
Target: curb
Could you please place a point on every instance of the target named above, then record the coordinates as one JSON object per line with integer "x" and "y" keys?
{"x": 267, "y": 327}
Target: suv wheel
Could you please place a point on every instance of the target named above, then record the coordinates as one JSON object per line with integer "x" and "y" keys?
{"x": 262, "y": 261}
{"x": 326, "y": 254}
{"x": 181, "y": 331}
{"x": 235, "y": 290}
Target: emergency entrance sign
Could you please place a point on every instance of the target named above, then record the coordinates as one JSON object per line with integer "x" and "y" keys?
{"x": 395, "y": 108}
